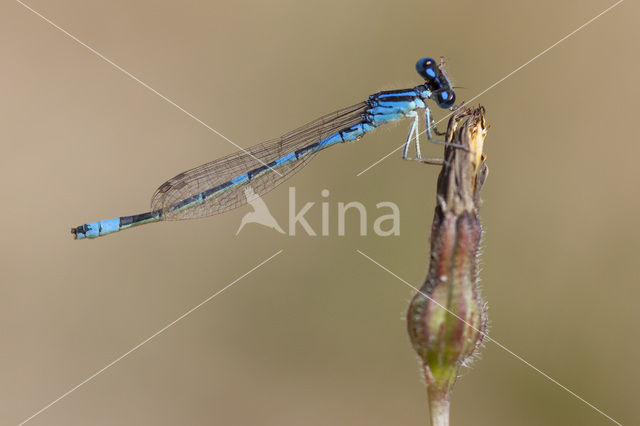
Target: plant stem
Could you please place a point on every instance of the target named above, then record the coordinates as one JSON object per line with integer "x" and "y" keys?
{"x": 438, "y": 406}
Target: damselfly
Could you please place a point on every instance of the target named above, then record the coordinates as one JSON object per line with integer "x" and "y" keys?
{"x": 218, "y": 186}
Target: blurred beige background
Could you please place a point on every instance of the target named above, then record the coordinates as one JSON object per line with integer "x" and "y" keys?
{"x": 316, "y": 336}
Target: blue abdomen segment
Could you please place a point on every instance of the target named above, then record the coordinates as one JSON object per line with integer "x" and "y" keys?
{"x": 96, "y": 229}
{"x": 105, "y": 227}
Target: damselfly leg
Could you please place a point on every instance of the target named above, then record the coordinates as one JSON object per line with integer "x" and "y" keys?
{"x": 430, "y": 129}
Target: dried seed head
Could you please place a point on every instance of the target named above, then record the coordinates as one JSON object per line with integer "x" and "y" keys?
{"x": 446, "y": 319}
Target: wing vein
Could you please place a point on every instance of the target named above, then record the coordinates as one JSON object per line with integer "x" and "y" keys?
{"x": 215, "y": 173}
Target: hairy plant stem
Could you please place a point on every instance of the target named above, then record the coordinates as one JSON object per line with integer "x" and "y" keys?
{"x": 438, "y": 406}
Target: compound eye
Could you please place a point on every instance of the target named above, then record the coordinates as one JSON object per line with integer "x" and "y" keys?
{"x": 445, "y": 98}
{"x": 427, "y": 68}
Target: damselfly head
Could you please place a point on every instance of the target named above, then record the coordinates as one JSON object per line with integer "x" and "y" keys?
{"x": 436, "y": 81}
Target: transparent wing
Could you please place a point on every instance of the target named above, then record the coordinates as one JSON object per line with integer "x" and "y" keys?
{"x": 222, "y": 170}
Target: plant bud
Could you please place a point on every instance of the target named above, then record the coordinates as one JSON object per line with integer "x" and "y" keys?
{"x": 447, "y": 319}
